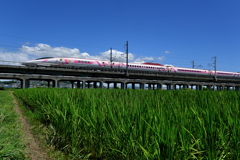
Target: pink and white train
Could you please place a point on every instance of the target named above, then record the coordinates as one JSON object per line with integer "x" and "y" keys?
{"x": 101, "y": 64}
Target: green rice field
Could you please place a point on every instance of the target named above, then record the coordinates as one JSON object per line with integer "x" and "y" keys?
{"x": 138, "y": 124}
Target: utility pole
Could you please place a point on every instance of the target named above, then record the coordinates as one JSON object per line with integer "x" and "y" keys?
{"x": 193, "y": 65}
{"x": 126, "y": 58}
{"x": 215, "y": 67}
{"x": 111, "y": 58}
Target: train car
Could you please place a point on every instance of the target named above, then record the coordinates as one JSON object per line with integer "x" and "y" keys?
{"x": 101, "y": 64}
{"x": 90, "y": 63}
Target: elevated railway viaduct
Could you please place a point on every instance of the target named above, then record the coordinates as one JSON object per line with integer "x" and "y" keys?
{"x": 98, "y": 78}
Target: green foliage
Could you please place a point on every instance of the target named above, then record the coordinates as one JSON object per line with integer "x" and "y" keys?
{"x": 139, "y": 124}
{"x": 11, "y": 145}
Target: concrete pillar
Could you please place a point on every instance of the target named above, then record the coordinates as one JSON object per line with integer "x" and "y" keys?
{"x": 133, "y": 85}
{"x": 78, "y": 84}
{"x": 219, "y": 88}
{"x": 222, "y": 88}
{"x": 83, "y": 84}
{"x": 185, "y": 86}
{"x": 153, "y": 86}
{"x": 48, "y": 83}
{"x": 227, "y": 88}
{"x": 198, "y": 87}
{"x": 100, "y": 84}
{"x": 142, "y": 85}
{"x": 88, "y": 84}
{"x": 209, "y": 87}
{"x": 159, "y": 86}
{"x": 214, "y": 87}
{"x": 94, "y": 84}
{"x": 174, "y": 86}
{"x": 123, "y": 85}
{"x": 149, "y": 86}
{"x": 169, "y": 86}
{"x": 23, "y": 83}
{"x": 55, "y": 83}
{"x": 180, "y": 86}
{"x": 237, "y": 88}
{"x": 72, "y": 84}
{"x": 27, "y": 83}
{"x": 115, "y": 85}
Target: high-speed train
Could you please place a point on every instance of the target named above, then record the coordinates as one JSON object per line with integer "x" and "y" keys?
{"x": 98, "y": 64}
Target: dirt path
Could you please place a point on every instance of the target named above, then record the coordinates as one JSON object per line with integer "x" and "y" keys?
{"x": 35, "y": 152}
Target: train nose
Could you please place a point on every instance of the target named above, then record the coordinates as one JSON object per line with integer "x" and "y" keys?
{"x": 29, "y": 63}
{"x": 24, "y": 63}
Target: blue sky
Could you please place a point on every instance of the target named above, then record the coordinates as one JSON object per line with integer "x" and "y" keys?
{"x": 174, "y": 32}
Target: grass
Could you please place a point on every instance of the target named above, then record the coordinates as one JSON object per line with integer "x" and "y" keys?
{"x": 11, "y": 140}
{"x": 138, "y": 124}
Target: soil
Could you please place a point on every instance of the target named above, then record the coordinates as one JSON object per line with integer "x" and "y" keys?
{"x": 34, "y": 149}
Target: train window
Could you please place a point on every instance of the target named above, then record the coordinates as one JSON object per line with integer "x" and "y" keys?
{"x": 44, "y": 58}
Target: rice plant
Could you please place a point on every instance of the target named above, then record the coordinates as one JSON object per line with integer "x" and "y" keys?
{"x": 139, "y": 124}
{"x": 11, "y": 137}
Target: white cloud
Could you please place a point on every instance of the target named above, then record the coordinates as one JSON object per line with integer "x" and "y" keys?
{"x": 45, "y": 50}
{"x": 144, "y": 59}
{"x": 27, "y": 52}
{"x": 9, "y": 58}
{"x": 148, "y": 59}
{"x": 117, "y": 56}
{"x": 167, "y": 52}
{"x": 161, "y": 58}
